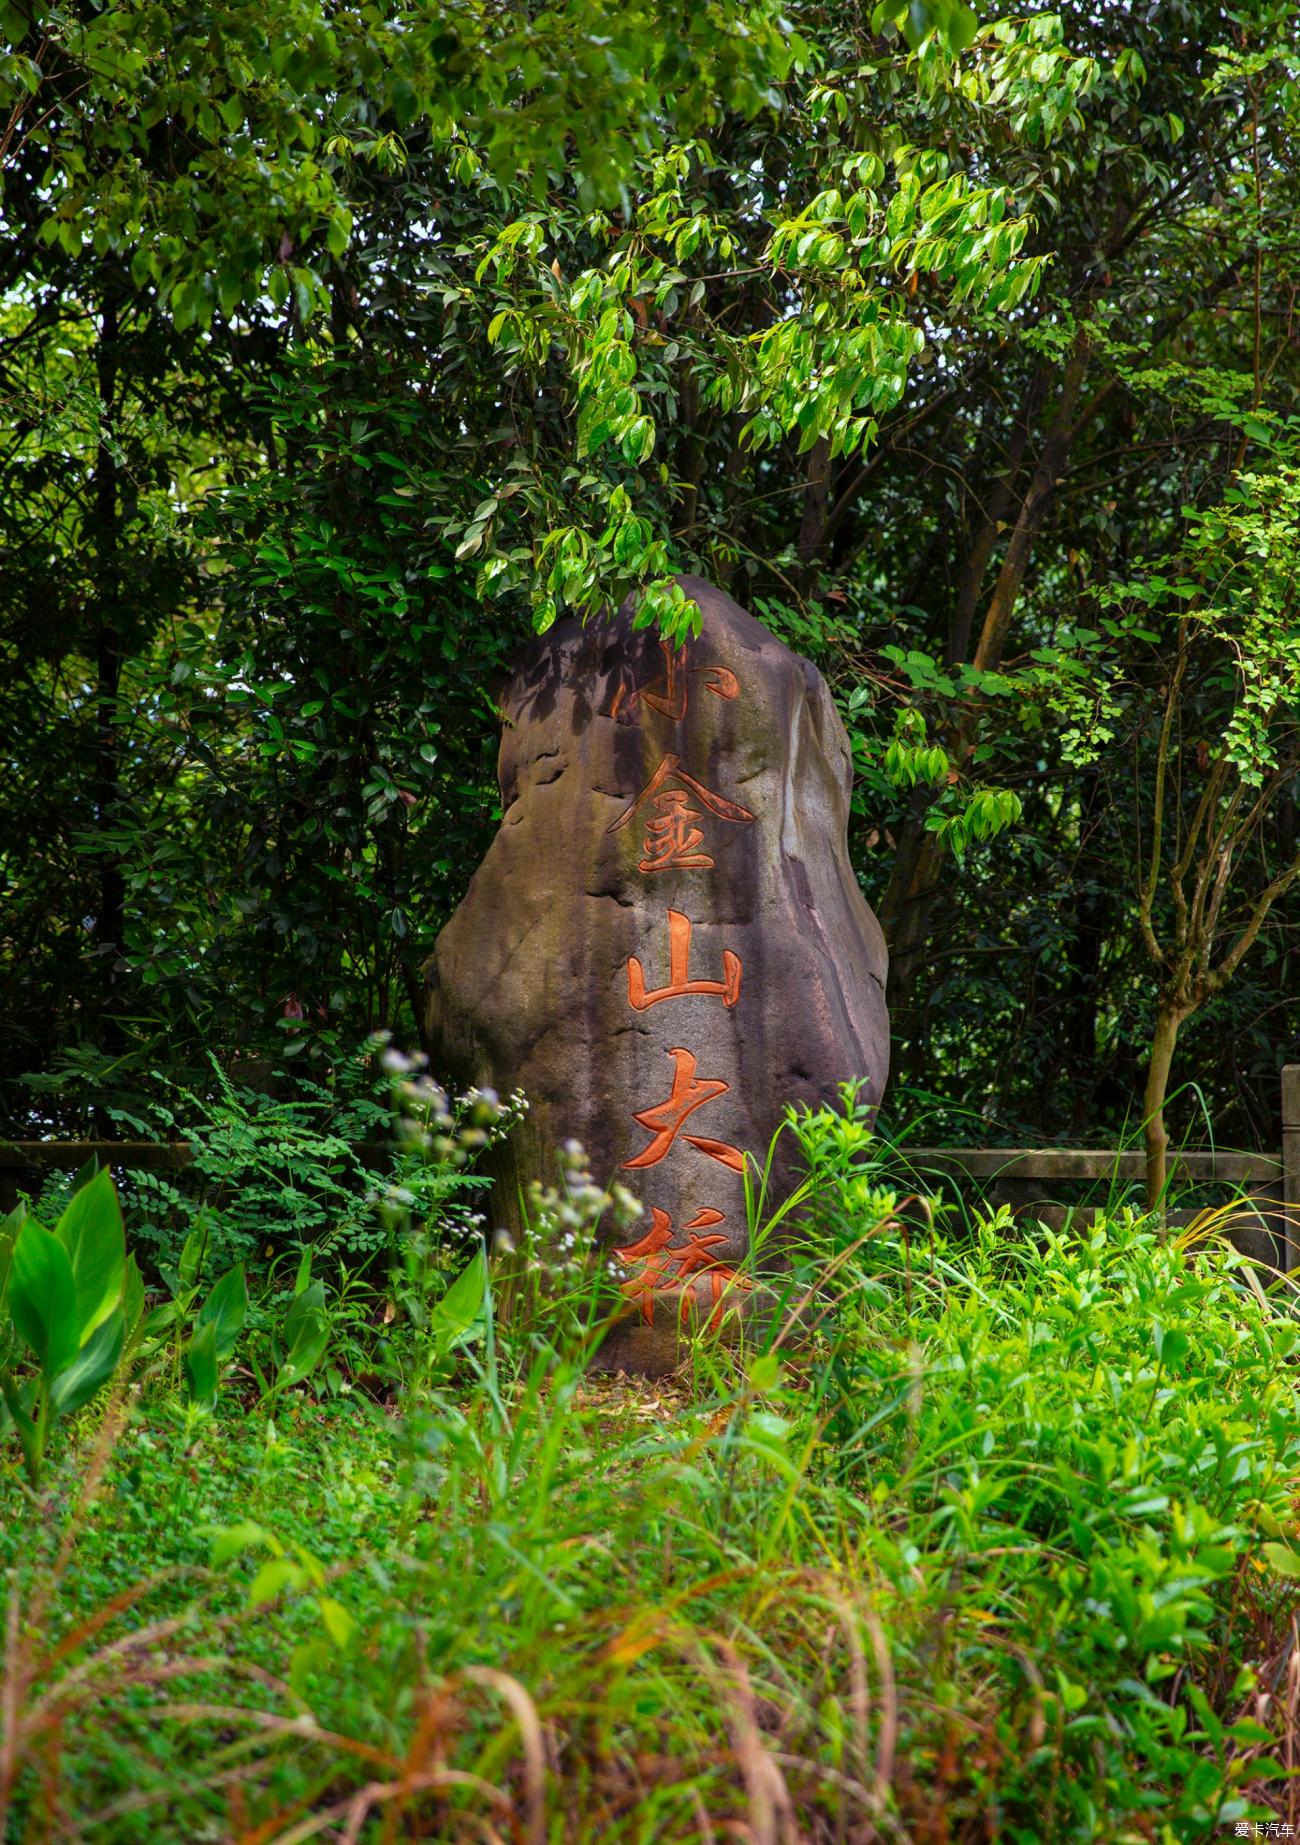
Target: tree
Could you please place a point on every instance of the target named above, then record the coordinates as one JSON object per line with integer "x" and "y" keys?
{"x": 1211, "y": 720}
{"x": 991, "y": 512}
{"x": 170, "y": 188}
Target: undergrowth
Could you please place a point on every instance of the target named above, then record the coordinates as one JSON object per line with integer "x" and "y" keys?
{"x": 994, "y": 1542}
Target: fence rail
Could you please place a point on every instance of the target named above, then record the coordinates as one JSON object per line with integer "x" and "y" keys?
{"x": 1062, "y": 1164}
{"x": 1269, "y": 1228}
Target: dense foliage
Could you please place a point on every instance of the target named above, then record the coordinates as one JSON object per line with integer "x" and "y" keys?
{"x": 342, "y": 345}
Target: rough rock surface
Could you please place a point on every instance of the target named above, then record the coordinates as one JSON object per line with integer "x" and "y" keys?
{"x": 665, "y": 943}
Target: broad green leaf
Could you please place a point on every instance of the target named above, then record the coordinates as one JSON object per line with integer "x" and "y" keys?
{"x": 91, "y": 1231}
{"x": 232, "y": 1540}
{"x": 303, "y": 1309}
{"x": 94, "y": 1364}
{"x": 275, "y": 1576}
{"x": 309, "y": 1347}
{"x": 191, "y": 1259}
{"x": 1282, "y": 1559}
{"x": 90, "y": 1170}
{"x": 43, "y": 1298}
{"x": 313, "y": 1568}
{"x": 157, "y": 1320}
{"x": 201, "y": 1367}
{"x": 339, "y": 1623}
{"x": 225, "y": 1310}
{"x": 132, "y": 1297}
{"x": 8, "y": 1235}
{"x": 1250, "y": 1733}
{"x": 461, "y": 1306}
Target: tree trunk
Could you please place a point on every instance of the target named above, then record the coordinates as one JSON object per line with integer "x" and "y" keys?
{"x": 733, "y": 468}
{"x": 918, "y": 877}
{"x": 907, "y": 909}
{"x": 998, "y": 500}
{"x": 1164, "y": 1040}
{"x": 816, "y": 511}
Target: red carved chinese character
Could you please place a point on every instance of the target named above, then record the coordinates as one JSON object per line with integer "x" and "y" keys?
{"x": 669, "y": 1267}
{"x": 670, "y": 840}
{"x": 679, "y": 980}
{"x": 668, "y": 695}
{"x": 665, "y": 1119}
{"x": 659, "y": 1233}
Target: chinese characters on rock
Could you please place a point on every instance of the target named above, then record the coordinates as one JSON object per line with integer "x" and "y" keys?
{"x": 675, "y": 808}
{"x": 669, "y": 694}
{"x": 671, "y": 839}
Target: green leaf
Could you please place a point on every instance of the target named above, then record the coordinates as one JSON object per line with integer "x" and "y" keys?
{"x": 460, "y": 1308}
{"x": 94, "y": 1364}
{"x": 275, "y": 1576}
{"x": 1282, "y": 1559}
{"x": 1250, "y": 1733}
{"x": 225, "y": 1310}
{"x": 306, "y": 1303}
{"x": 306, "y": 1333}
{"x": 339, "y": 1623}
{"x": 43, "y": 1298}
{"x": 191, "y": 1259}
{"x": 132, "y": 1297}
{"x": 86, "y": 1172}
{"x": 201, "y": 1367}
{"x": 309, "y": 1347}
{"x": 230, "y": 290}
{"x": 157, "y": 1320}
{"x": 232, "y": 1540}
{"x": 19, "y": 1401}
{"x": 8, "y": 1234}
{"x": 91, "y": 1231}
{"x": 1171, "y": 1347}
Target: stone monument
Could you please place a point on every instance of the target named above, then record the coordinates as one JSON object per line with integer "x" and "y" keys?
{"x": 665, "y": 944}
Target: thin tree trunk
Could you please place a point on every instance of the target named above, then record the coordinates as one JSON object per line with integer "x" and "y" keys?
{"x": 732, "y": 472}
{"x": 816, "y": 511}
{"x": 917, "y": 879}
{"x": 1164, "y": 1041}
{"x": 1082, "y": 992}
{"x": 999, "y": 502}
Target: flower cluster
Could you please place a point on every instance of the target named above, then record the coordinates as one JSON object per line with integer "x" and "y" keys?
{"x": 560, "y": 1231}
{"x": 452, "y": 1130}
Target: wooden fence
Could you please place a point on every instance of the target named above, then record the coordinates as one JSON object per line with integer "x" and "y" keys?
{"x": 1029, "y": 1179}
{"x": 1266, "y": 1223}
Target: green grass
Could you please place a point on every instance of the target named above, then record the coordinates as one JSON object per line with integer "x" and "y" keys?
{"x": 1002, "y": 1551}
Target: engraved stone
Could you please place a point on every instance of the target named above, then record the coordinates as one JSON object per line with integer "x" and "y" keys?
{"x": 666, "y": 943}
